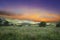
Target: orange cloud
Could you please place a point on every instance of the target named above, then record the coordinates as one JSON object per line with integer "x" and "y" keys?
{"x": 35, "y": 15}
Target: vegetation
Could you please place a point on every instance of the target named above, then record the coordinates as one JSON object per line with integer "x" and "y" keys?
{"x": 58, "y": 24}
{"x": 42, "y": 24}
{"x": 29, "y": 33}
{"x": 20, "y": 32}
{"x": 4, "y": 22}
{"x": 0, "y": 22}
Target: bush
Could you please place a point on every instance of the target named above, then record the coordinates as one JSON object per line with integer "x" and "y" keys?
{"x": 0, "y": 22}
{"x": 6, "y": 23}
{"x": 3, "y": 22}
{"x": 42, "y": 24}
{"x": 58, "y": 24}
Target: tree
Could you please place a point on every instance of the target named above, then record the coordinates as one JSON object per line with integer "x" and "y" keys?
{"x": 58, "y": 24}
{"x": 42, "y": 24}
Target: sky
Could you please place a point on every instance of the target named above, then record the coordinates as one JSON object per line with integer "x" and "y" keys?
{"x": 33, "y": 9}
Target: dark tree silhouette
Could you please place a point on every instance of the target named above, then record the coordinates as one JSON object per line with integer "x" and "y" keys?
{"x": 58, "y": 24}
{"x": 42, "y": 24}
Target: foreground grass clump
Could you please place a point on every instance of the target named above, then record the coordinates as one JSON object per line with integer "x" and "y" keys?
{"x": 29, "y": 33}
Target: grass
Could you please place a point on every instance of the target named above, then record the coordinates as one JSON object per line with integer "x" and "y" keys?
{"x": 29, "y": 33}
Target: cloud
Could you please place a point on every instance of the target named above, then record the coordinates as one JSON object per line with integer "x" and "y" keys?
{"x": 34, "y": 14}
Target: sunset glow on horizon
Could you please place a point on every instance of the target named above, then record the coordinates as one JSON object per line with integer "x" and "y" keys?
{"x": 36, "y": 10}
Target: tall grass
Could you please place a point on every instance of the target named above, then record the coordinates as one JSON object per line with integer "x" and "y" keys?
{"x": 29, "y": 33}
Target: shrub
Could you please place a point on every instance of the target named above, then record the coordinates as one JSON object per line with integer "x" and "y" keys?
{"x": 42, "y": 24}
{"x": 6, "y": 23}
{"x": 58, "y": 24}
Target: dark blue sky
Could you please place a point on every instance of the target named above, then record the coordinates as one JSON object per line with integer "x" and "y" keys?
{"x": 53, "y": 5}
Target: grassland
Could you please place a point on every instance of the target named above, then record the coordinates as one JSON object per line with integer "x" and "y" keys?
{"x": 29, "y": 33}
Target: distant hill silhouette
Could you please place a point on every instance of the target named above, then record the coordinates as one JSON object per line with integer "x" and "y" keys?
{"x": 5, "y": 13}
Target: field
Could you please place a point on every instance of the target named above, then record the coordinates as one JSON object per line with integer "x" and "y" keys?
{"x": 29, "y": 33}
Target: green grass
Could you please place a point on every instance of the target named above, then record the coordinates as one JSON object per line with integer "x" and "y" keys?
{"x": 29, "y": 33}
